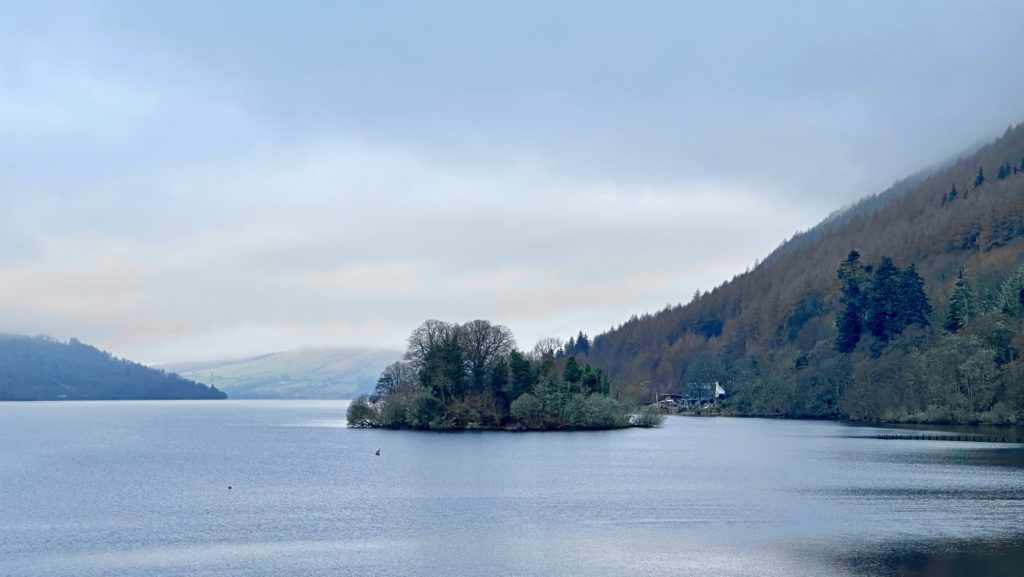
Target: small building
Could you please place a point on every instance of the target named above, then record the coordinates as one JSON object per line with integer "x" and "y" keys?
{"x": 697, "y": 394}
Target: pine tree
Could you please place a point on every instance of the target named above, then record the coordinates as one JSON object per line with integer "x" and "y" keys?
{"x": 1010, "y": 300}
{"x": 583, "y": 344}
{"x": 850, "y": 322}
{"x": 883, "y": 302}
{"x": 980, "y": 178}
{"x": 913, "y": 307}
{"x": 961, "y": 304}
{"x": 570, "y": 347}
{"x": 950, "y": 196}
{"x": 521, "y": 377}
{"x": 572, "y": 373}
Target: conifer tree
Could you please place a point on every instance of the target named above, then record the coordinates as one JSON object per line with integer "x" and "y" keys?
{"x": 572, "y": 373}
{"x": 980, "y": 178}
{"x": 950, "y": 196}
{"x": 883, "y": 302}
{"x": 1011, "y": 294}
{"x": 850, "y": 322}
{"x": 912, "y": 306}
{"x": 961, "y": 304}
{"x": 570, "y": 347}
{"x": 583, "y": 344}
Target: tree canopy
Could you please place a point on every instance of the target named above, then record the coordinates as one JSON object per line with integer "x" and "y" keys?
{"x": 471, "y": 376}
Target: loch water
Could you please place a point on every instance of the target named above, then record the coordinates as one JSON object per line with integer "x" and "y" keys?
{"x": 142, "y": 488}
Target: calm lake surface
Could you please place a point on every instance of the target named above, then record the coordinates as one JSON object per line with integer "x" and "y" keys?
{"x": 141, "y": 488}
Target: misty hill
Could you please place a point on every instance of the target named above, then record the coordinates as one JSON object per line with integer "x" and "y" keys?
{"x": 770, "y": 334}
{"x": 44, "y": 369}
{"x": 327, "y": 373}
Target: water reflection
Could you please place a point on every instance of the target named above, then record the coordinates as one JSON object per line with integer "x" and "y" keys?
{"x": 121, "y": 488}
{"x": 991, "y": 558}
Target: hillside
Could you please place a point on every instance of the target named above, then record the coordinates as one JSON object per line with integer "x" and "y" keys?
{"x": 769, "y": 335}
{"x": 328, "y": 373}
{"x": 44, "y": 369}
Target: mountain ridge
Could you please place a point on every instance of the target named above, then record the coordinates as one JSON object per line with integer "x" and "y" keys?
{"x": 306, "y": 373}
{"x": 41, "y": 368}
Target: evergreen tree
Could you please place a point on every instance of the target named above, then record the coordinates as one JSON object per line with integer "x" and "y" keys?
{"x": 912, "y": 306}
{"x": 850, "y": 322}
{"x": 961, "y": 304}
{"x": 521, "y": 378}
{"x": 980, "y": 178}
{"x": 950, "y": 196}
{"x": 1010, "y": 300}
{"x": 591, "y": 380}
{"x": 883, "y": 302}
{"x": 572, "y": 373}
{"x": 583, "y": 344}
{"x": 570, "y": 347}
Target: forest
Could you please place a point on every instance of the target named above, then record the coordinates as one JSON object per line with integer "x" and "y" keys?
{"x": 471, "y": 376}
{"x": 906, "y": 306}
{"x": 42, "y": 369}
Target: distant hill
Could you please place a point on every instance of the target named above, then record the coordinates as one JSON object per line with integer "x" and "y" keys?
{"x": 325, "y": 373}
{"x": 770, "y": 335}
{"x": 40, "y": 368}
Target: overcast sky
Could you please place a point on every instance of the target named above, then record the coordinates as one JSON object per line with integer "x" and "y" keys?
{"x": 195, "y": 180}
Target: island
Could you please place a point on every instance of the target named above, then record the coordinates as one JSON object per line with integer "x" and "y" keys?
{"x": 471, "y": 376}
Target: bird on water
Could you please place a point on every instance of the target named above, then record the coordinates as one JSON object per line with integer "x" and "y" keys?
{"x": 377, "y": 453}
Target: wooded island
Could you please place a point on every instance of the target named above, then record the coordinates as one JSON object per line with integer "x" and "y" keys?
{"x": 471, "y": 376}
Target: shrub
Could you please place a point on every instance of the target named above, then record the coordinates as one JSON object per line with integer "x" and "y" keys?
{"x": 424, "y": 411}
{"x": 394, "y": 411}
{"x": 362, "y": 413}
{"x": 528, "y": 410}
{"x": 595, "y": 412}
{"x": 649, "y": 416}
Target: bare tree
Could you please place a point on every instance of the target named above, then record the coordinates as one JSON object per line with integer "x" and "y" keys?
{"x": 396, "y": 376}
{"x": 544, "y": 346}
{"x": 426, "y": 338}
{"x": 484, "y": 346}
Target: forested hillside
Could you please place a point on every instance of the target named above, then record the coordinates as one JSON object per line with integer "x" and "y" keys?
{"x": 770, "y": 335}
{"x": 40, "y": 369}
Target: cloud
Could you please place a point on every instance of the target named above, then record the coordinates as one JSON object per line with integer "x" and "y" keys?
{"x": 345, "y": 237}
{"x": 174, "y": 186}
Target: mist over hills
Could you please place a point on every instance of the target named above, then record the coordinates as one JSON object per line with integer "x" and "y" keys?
{"x": 770, "y": 334}
{"x": 40, "y": 369}
{"x": 311, "y": 373}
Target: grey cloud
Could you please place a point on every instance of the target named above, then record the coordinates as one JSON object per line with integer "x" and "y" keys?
{"x": 187, "y": 174}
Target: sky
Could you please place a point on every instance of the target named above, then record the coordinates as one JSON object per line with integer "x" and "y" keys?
{"x": 197, "y": 180}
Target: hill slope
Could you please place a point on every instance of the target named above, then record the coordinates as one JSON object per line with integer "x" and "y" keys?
{"x": 43, "y": 369}
{"x": 299, "y": 374}
{"x": 769, "y": 334}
